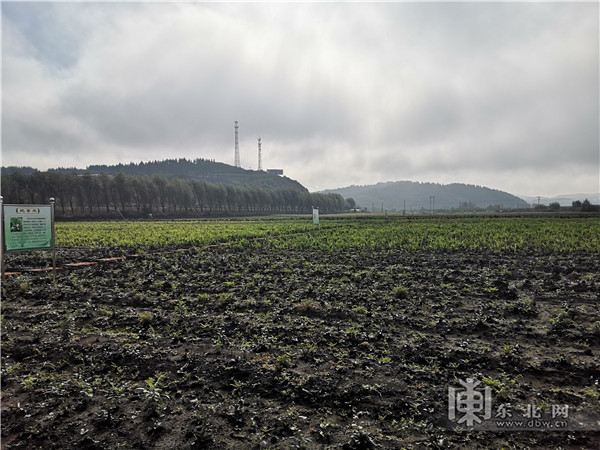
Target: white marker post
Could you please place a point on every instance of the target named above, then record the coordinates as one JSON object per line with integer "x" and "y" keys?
{"x": 316, "y": 218}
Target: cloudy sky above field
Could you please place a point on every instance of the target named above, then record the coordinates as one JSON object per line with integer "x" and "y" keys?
{"x": 504, "y": 95}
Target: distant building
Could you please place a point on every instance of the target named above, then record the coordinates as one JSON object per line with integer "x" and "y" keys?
{"x": 275, "y": 171}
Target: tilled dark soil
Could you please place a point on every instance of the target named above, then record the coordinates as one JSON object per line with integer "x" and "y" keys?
{"x": 257, "y": 348}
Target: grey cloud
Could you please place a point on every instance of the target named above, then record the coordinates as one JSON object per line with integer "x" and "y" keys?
{"x": 376, "y": 91}
{"x": 188, "y": 88}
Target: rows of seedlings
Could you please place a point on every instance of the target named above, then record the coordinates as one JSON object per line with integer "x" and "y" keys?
{"x": 258, "y": 346}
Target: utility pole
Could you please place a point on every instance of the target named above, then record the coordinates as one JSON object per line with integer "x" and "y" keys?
{"x": 236, "y": 157}
{"x": 259, "y": 155}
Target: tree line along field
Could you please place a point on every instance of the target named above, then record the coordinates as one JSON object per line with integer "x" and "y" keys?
{"x": 137, "y": 196}
{"x": 267, "y": 334}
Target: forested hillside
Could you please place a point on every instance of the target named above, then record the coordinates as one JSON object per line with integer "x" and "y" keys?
{"x": 123, "y": 195}
{"x": 415, "y": 195}
{"x": 198, "y": 169}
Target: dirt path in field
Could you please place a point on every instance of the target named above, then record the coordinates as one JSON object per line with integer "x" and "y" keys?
{"x": 257, "y": 348}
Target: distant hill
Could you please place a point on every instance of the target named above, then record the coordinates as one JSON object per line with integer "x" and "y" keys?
{"x": 417, "y": 195}
{"x": 25, "y": 170}
{"x": 563, "y": 200}
{"x": 199, "y": 169}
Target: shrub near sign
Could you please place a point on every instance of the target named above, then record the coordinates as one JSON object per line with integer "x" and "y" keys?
{"x": 27, "y": 227}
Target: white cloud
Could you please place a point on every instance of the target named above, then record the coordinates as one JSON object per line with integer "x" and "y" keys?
{"x": 341, "y": 93}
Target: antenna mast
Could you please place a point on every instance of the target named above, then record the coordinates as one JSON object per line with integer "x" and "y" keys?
{"x": 236, "y": 159}
{"x": 259, "y": 154}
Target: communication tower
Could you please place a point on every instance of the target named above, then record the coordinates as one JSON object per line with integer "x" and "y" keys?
{"x": 236, "y": 159}
{"x": 259, "y": 154}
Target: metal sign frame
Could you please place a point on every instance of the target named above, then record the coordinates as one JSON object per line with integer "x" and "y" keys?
{"x": 18, "y": 224}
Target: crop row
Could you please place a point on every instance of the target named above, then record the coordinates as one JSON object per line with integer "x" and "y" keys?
{"x": 496, "y": 235}
{"x": 153, "y": 234}
{"x": 346, "y": 233}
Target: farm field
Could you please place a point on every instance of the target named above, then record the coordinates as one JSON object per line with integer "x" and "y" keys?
{"x": 347, "y": 337}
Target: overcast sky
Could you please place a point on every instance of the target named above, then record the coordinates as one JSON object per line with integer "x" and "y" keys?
{"x": 504, "y": 95}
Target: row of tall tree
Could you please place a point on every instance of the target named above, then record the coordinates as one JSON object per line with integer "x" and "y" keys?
{"x": 103, "y": 195}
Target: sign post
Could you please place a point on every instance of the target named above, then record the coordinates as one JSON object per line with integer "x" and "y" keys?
{"x": 316, "y": 218}
{"x": 28, "y": 227}
{"x": 53, "y": 245}
{"x": 2, "y": 238}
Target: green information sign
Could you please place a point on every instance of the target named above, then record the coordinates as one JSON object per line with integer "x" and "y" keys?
{"x": 27, "y": 227}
